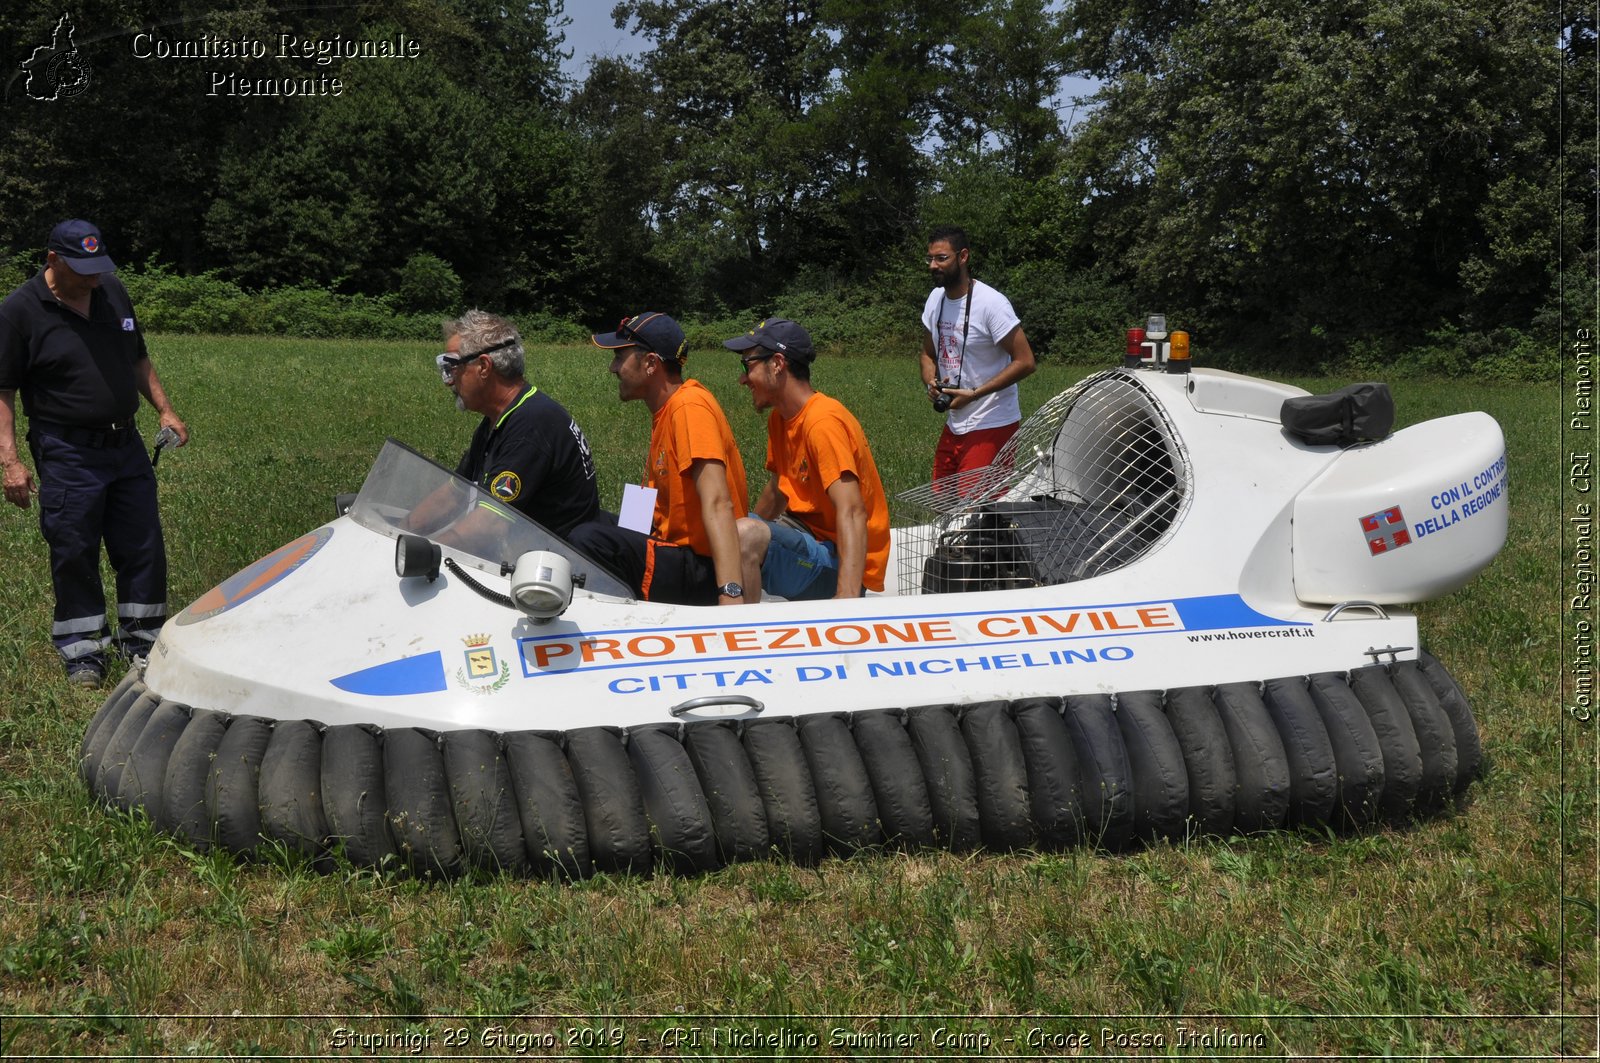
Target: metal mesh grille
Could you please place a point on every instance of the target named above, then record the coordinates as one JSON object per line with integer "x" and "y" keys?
{"x": 1091, "y": 481}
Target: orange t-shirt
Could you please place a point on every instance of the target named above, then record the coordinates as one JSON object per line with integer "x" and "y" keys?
{"x": 690, "y": 427}
{"x": 808, "y": 455}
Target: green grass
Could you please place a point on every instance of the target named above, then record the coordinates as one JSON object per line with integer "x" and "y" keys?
{"x": 1462, "y": 936}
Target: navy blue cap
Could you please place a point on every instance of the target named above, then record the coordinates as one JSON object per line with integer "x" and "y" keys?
{"x": 658, "y": 332}
{"x": 81, "y": 245}
{"x": 777, "y": 334}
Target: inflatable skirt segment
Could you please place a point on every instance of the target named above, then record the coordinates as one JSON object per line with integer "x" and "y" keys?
{"x": 1382, "y": 744}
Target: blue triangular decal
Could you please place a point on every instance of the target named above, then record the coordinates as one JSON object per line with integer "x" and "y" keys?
{"x": 423, "y": 674}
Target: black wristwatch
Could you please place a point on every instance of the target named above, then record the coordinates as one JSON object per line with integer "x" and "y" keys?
{"x": 731, "y": 590}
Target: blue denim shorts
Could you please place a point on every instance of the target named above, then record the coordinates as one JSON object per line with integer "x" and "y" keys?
{"x": 798, "y": 566}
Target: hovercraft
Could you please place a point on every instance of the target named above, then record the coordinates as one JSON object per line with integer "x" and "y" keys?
{"x": 1159, "y": 613}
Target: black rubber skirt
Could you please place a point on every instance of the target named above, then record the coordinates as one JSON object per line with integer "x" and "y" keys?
{"x": 1382, "y": 744}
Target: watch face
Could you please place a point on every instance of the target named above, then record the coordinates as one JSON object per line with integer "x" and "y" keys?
{"x": 732, "y": 590}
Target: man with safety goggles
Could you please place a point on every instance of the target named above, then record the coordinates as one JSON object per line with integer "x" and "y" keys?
{"x": 527, "y": 452}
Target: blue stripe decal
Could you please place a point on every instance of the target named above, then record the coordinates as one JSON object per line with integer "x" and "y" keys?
{"x": 1225, "y": 610}
{"x": 422, "y": 674}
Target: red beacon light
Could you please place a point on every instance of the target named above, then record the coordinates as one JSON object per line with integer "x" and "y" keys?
{"x": 1132, "y": 359}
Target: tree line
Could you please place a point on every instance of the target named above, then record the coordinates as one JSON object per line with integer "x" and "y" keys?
{"x": 1282, "y": 177}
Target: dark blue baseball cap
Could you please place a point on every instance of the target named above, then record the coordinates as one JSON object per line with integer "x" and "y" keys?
{"x": 81, "y": 245}
{"x": 777, "y": 334}
{"x": 651, "y": 330}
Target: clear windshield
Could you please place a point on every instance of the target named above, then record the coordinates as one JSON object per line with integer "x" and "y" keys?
{"x": 406, "y": 494}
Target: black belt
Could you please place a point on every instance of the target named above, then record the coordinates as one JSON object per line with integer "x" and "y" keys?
{"x": 96, "y": 437}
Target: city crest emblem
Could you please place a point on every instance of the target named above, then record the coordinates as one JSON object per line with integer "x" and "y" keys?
{"x": 484, "y": 672}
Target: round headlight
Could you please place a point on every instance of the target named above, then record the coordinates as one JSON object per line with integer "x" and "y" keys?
{"x": 416, "y": 555}
{"x": 541, "y": 584}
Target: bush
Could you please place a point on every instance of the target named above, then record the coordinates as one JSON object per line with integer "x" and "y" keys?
{"x": 1071, "y": 316}
{"x": 14, "y": 269}
{"x": 1504, "y": 354}
{"x": 427, "y": 284}
{"x": 543, "y": 327}
{"x": 1068, "y": 316}
{"x": 207, "y": 303}
{"x": 881, "y": 317}
{"x": 309, "y": 311}
{"x": 169, "y": 302}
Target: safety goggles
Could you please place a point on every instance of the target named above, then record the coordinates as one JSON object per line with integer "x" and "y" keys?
{"x": 449, "y": 363}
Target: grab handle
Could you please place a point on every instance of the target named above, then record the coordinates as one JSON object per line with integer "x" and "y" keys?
{"x": 1342, "y": 606}
{"x": 743, "y": 701}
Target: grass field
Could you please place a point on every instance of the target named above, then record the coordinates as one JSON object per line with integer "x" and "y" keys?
{"x": 1465, "y": 936}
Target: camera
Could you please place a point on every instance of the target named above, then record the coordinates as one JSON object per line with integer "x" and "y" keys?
{"x": 942, "y": 401}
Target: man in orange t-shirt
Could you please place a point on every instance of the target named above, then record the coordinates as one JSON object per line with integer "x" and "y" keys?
{"x": 691, "y": 556}
{"x": 821, "y": 526}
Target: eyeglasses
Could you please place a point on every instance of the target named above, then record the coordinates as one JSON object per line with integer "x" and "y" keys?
{"x": 448, "y": 363}
{"x": 748, "y": 362}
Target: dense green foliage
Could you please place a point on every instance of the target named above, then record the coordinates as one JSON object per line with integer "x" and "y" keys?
{"x": 1283, "y": 170}
{"x": 1329, "y": 183}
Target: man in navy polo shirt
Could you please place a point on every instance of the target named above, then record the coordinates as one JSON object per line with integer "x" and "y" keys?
{"x": 70, "y": 343}
{"x": 528, "y": 451}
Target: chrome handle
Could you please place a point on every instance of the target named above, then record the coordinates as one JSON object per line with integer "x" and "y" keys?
{"x": 748, "y": 703}
{"x": 1342, "y": 606}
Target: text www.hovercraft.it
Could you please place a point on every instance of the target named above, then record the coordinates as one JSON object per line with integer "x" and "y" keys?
{"x": 1266, "y": 633}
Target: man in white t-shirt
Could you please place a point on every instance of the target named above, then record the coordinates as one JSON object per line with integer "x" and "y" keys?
{"x": 973, "y": 353}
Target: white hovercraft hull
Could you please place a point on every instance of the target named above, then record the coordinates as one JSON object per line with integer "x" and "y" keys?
{"x": 1262, "y": 557}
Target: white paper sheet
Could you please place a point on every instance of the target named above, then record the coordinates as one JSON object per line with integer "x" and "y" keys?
{"x": 638, "y": 508}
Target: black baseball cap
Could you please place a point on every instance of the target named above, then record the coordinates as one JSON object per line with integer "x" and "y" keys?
{"x": 658, "y": 332}
{"x": 777, "y": 334}
{"x": 81, "y": 245}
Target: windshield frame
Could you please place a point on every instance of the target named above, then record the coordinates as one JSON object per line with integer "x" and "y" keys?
{"x": 401, "y": 478}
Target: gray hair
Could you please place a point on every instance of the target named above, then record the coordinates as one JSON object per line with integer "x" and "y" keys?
{"x": 479, "y": 329}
